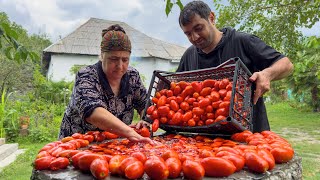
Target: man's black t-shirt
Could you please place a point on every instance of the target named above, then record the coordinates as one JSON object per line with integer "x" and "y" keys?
{"x": 253, "y": 52}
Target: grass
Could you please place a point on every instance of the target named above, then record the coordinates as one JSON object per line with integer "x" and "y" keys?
{"x": 300, "y": 128}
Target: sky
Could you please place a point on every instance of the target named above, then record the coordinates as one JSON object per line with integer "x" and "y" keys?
{"x": 58, "y": 18}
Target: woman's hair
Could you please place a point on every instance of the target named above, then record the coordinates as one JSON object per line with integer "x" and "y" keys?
{"x": 193, "y": 8}
{"x": 114, "y": 38}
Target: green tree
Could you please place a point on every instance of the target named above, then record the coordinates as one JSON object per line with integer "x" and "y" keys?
{"x": 305, "y": 81}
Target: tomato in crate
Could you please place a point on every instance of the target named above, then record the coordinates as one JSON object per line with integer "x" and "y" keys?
{"x": 213, "y": 101}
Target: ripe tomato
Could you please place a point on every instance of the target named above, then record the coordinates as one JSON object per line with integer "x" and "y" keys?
{"x": 183, "y": 84}
{"x": 169, "y": 93}
{"x": 237, "y": 160}
{"x": 150, "y": 109}
{"x": 163, "y": 110}
{"x": 156, "y": 168}
{"x": 192, "y": 169}
{"x": 282, "y": 155}
{"x": 197, "y": 86}
{"x": 256, "y": 163}
{"x": 85, "y": 161}
{"x": 215, "y": 104}
{"x": 176, "y": 119}
{"x": 140, "y": 156}
{"x": 75, "y": 158}
{"x": 265, "y": 154}
{"x": 177, "y": 90}
{"x": 155, "y": 100}
{"x": 145, "y": 132}
{"x": 191, "y": 100}
{"x": 155, "y": 126}
{"x": 209, "y": 121}
{"x": 208, "y": 83}
{"x": 184, "y": 106}
{"x": 162, "y": 101}
{"x": 66, "y": 139}
{"x": 206, "y": 153}
{"x": 99, "y": 168}
{"x": 42, "y": 154}
{"x": 174, "y": 167}
{"x": 169, "y": 153}
{"x": 110, "y": 135}
{"x": 134, "y": 170}
{"x": 221, "y": 112}
{"x": 187, "y": 91}
{"x": 203, "y": 103}
{"x": 186, "y": 116}
{"x": 90, "y": 138}
{"x": 155, "y": 114}
{"x": 223, "y": 83}
{"x": 205, "y": 91}
{"x": 217, "y": 167}
{"x": 174, "y": 105}
{"x": 68, "y": 153}
{"x": 191, "y": 122}
{"x": 114, "y": 164}
{"x": 59, "y": 163}
{"x": 223, "y": 93}
{"x": 43, "y": 162}
{"x": 197, "y": 111}
{"x": 125, "y": 162}
{"x": 77, "y": 136}
{"x": 220, "y": 118}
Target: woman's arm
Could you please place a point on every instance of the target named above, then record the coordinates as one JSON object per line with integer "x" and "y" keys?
{"x": 105, "y": 120}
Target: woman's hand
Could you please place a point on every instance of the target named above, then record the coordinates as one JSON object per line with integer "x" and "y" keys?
{"x": 140, "y": 124}
{"x": 135, "y": 137}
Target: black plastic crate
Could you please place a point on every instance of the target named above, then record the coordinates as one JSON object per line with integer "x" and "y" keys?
{"x": 240, "y": 109}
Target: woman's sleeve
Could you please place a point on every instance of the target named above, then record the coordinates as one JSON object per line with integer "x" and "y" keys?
{"x": 140, "y": 94}
{"x": 262, "y": 54}
{"x": 87, "y": 93}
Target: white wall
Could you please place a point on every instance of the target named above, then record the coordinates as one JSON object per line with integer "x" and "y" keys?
{"x": 60, "y": 65}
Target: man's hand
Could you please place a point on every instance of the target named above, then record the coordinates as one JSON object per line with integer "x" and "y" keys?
{"x": 262, "y": 80}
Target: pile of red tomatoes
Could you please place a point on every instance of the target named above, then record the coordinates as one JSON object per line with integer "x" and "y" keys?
{"x": 174, "y": 156}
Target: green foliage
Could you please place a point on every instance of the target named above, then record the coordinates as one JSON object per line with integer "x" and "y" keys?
{"x": 9, "y": 44}
{"x": 169, "y": 5}
{"x": 75, "y": 68}
{"x": 306, "y": 77}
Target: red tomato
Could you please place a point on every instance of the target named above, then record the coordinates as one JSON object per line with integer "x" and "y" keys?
{"x": 75, "y": 158}
{"x": 176, "y": 119}
{"x": 217, "y": 167}
{"x": 145, "y": 132}
{"x": 223, "y": 93}
{"x": 77, "y": 136}
{"x": 125, "y": 162}
{"x": 223, "y": 83}
{"x": 68, "y": 153}
{"x": 191, "y": 122}
{"x": 169, "y": 153}
{"x": 256, "y": 163}
{"x": 150, "y": 109}
{"x": 186, "y": 116}
{"x": 197, "y": 86}
{"x": 205, "y": 91}
{"x": 221, "y": 112}
{"x": 110, "y": 135}
{"x": 42, "y": 154}
{"x": 155, "y": 114}
{"x": 282, "y": 155}
{"x": 43, "y": 162}
{"x": 208, "y": 83}
{"x": 156, "y": 169}
{"x": 169, "y": 93}
{"x": 164, "y": 120}
{"x": 209, "y": 109}
{"x": 66, "y": 139}
{"x": 85, "y": 161}
{"x": 174, "y": 167}
{"x": 99, "y": 168}
{"x": 268, "y": 157}
{"x": 237, "y": 160}
{"x": 192, "y": 169}
{"x": 197, "y": 111}
{"x": 183, "y": 84}
{"x": 162, "y": 101}
{"x": 134, "y": 170}
{"x": 209, "y": 121}
{"x": 114, "y": 164}
{"x": 90, "y": 138}
{"x": 206, "y": 153}
{"x": 203, "y": 103}
{"x": 83, "y": 143}
{"x": 155, "y": 125}
{"x": 187, "y": 91}
{"x": 140, "y": 156}
{"x": 191, "y": 100}
{"x": 177, "y": 90}
{"x": 224, "y": 104}
{"x": 174, "y": 105}
{"x": 163, "y": 110}
{"x": 59, "y": 163}
{"x": 184, "y": 106}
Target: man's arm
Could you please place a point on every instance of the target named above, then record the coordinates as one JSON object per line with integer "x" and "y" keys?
{"x": 278, "y": 70}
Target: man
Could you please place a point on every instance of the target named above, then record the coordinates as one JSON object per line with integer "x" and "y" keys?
{"x": 212, "y": 47}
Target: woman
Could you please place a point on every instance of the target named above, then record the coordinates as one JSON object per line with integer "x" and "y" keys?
{"x": 105, "y": 94}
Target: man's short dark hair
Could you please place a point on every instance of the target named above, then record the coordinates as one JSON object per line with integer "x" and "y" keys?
{"x": 193, "y": 8}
